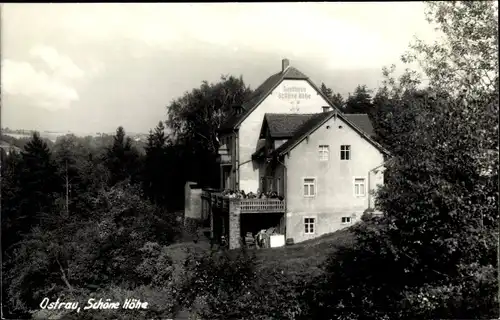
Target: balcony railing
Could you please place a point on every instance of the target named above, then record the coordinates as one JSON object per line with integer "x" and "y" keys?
{"x": 262, "y": 205}
{"x": 221, "y": 202}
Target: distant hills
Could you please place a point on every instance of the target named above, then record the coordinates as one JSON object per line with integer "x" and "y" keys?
{"x": 53, "y": 135}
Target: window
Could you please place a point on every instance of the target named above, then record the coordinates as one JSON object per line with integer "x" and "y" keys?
{"x": 346, "y": 220}
{"x": 345, "y": 152}
{"x": 309, "y": 225}
{"x": 359, "y": 187}
{"x": 269, "y": 184}
{"x": 309, "y": 187}
{"x": 262, "y": 183}
{"x": 278, "y": 186}
{"x": 324, "y": 153}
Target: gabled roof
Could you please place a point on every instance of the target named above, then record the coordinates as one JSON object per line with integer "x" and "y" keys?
{"x": 284, "y": 125}
{"x": 362, "y": 121}
{"x": 308, "y": 126}
{"x": 316, "y": 122}
{"x": 264, "y": 90}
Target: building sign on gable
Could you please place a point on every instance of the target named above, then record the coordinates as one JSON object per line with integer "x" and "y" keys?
{"x": 294, "y": 93}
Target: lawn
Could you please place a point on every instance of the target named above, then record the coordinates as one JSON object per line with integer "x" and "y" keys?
{"x": 307, "y": 255}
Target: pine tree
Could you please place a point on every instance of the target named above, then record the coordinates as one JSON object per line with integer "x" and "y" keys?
{"x": 122, "y": 160}
{"x": 39, "y": 184}
{"x": 327, "y": 91}
{"x": 360, "y": 101}
{"x": 335, "y": 98}
{"x": 11, "y": 167}
{"x": 156, "y": 166}
{"x": 338, "y": 101}
{"x": 71, "y": 156}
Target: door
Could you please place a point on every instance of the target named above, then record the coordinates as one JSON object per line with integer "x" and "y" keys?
{"x": 226, "y": 177}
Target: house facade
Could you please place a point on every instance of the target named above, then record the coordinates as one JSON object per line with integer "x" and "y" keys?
{"x": 290, "y": 140}
{"x": 288, "y": 91}
{"x": 325, "y": 170}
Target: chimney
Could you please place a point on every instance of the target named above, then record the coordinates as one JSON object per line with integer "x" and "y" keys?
{"x": 284, "y": 64}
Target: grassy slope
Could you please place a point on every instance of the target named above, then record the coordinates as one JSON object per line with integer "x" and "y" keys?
{"x": 307, "y": 255}
{"x": 304, "y": 256}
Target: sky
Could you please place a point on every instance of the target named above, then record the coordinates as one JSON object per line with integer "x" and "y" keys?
{"x": 93, "y": 67}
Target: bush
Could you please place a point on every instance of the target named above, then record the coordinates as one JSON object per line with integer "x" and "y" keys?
{"x": 218, "y": 285}
{"x": 160, "y": 304}
{"x": 121, "y": 244}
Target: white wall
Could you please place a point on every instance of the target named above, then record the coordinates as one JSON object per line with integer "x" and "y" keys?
{"x": 282, "y": 100}
{"x": 334, "y": 178}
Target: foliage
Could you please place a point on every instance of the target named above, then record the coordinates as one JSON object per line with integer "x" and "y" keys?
{"x": 159, "y": 304}
{"x": 157, "y": 170}
{"x": 328, "y": 92}
{"x": 17, "y": 142}
{"x": 235, "y": 285}
{"x": 193, "y": 120}
{"x": 122, "y": 160}
{"x": 433, "y": 253}
{"x": 466, "y": 58}
{"x": 10, "y": 188}
{"x": 360, "y": 101}
{"x": 195, "y": 117}
{"x": 335, "y": 98}
{"x": 338, "y": 101}
{"x": 111, "y": 247}
{"x": 219, "y": 286}
{"x": 36, "y": 184}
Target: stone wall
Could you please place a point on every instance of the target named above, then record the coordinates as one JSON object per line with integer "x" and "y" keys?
{"x": 234, "y": 224}
{"x": 192, "y": 201}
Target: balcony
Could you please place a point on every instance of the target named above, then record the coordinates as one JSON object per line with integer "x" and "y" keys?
{"x": 262, "y": 205}
{"x": 224, "y": 155}
{"x": 221, "y": 202}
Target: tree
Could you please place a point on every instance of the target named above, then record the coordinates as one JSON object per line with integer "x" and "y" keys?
{"x": 39, "y": 183}
{"x": 193, "y": 120}
{"x": 29, "y": 188}
{"x": 360, "y": 101}
{"x": 69, "y": 156}
{"x": 338, "y": 101}
{"x": 121, "y": 244}
{"x": 11, "y": 191}
{"x": 439, "y": 229}
{"x": 156, "y": 182}
{"x": 433, "y": 253}
{"x": 122, "y": 160}
{"x": 326, "y": 91}
{"x": 467, "y": 56}
{"x": 335, "y": 98}
{"x": 195, "y": 117}
{"x": 224, "y": 284}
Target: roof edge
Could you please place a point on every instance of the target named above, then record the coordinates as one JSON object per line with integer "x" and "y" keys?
{"x": 322, "y": 122}
{"x": 264, "y": 97}
{"x": 282, "y": 74}
{"x": 304, "y": 135}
